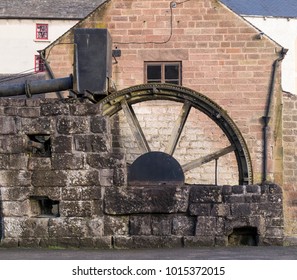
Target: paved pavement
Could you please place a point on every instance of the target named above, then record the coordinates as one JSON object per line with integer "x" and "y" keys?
{"x": 227, "y": 253}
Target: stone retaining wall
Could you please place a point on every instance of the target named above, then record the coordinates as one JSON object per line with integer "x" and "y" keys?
{"x": 63, "y": 184}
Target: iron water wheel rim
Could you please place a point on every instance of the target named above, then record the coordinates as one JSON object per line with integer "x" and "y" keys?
{"x": 113, "y": 103}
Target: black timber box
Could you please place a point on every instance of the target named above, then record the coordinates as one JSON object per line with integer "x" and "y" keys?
{"x": 93, "y": 56}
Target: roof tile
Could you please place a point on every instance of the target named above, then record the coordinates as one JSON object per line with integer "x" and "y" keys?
{"x": 268, "y": 8}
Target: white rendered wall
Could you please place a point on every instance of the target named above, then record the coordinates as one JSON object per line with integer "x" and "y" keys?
{"x": 284, "y": 32}
{"x": 18, "y": 44}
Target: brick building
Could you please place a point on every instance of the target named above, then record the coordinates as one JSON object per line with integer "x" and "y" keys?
{"x": 278, "y": 20}
{"x": 27, "y": 27}
{"x": 202, "y": 49}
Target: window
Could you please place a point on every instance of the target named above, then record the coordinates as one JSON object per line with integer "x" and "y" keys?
{"x": 39, "y": 64}
{"x": 41, "y": 31}
{"x": 163, "y": 72}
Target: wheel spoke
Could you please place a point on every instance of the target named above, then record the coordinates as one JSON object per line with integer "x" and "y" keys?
{"x": 135, "y": 127}
{"x": 178, "y": 128}
{"x": 200, "y": 161}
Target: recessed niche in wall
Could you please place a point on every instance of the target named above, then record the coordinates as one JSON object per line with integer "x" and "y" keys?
{"x": 243, "y": 236}
{"x": 42, "y": 206}
{"x": 39, "y": 145}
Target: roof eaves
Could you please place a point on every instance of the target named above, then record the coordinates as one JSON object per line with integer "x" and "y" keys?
{"x": 74, "y": 26}
{"x": 41, "y": 18}
{"x": 249, "y": 23}
{"x": 261, "y": 16}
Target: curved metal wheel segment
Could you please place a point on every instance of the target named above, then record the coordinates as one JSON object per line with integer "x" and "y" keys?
{"x": 189, "y": 99}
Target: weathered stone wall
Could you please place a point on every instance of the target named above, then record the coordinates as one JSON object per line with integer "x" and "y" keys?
{"x": 71, "y": 176}
{"x": 290, "y": 164}
{"x": 194, "y": 215}
{"x": 63, "y": 184}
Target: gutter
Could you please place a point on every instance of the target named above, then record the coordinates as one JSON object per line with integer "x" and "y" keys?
{"x": 266, "y": 117}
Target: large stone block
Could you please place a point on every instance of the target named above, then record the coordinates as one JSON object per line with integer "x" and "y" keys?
{"x": 54, "y": 108}
{"x": 72, "y": 193}
{"x": 140, "y": 225}
{"x": 206, "y": 226}
{"x": 95, "y": 227}
{"x": 72, "y": 125}
{"x": 91, "y": 193}
{"x": 92, "y": 143}
{"x": 30, "y": 242}
{"x": 253, "y": 189}
{"x": 114, "y": 225}
{"x": 205, "y": 194}
{"x": 4, "y": 162}
{"x": 238, "y": 189}
{"x": 200, "y": 209}
{"x": 82, "y": 108}
{"x": 102, "y": 242}
{"x": 83, "y": 178}
{"x": 183, "y": 225}
{"x": 36, "y": 126}
{"x": 62, "y": 144}
{"x": 76, "y": 208}
{"x": 106, "y": 160}
{"x": 119, "y": 177}
{"x": 136, "y": 242}
{"x": 15, "y": 178}
{"x": 39, "y": 163}
{"x": 8, "y": 125}
{"x": 13, "y": 227}
{"x": 15, "y": 194}
{"x": 12, "y": 144}
{"x": 49, "y": 178}
{"x": 100, "y": 124}
{"x": 199, "y": 241}
{"x": 14, "y": 161}
{"x": 159, "y": 199}
{"x": 35, "y": 228}
{"x": 64, "y": 161}
{"x": 15, "y": 208}
{"x": 220, "y": 210}
{"x": 240, "y": 209}
{"x": 53, "y": 192}
{"x": 161, "y": 225}
{"x": 29, "y": 112}
{"x": 67, "y": 227}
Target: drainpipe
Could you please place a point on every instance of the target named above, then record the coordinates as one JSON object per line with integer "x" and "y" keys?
{"x": 266, "y": 117}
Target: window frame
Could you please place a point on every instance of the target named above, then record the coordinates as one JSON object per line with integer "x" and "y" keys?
{"x": 163, "y": 64}
{"x": 38, "y": 64}
{"x": 38, "y": 25}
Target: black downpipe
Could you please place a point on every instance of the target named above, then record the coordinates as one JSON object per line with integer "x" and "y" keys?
{"x": 266, "y": 117}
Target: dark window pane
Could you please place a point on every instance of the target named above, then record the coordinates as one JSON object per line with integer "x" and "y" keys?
{"x": 175, "y": 82}
{"x": 154, "y": 81}
{"x": 171, "y": 72}
{"x": 154, "y": 72}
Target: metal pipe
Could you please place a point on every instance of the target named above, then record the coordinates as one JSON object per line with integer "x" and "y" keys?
{"x": 36, "y": 87}
{"x": 49, "y": 71}
{"x": 266, "y": 117}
